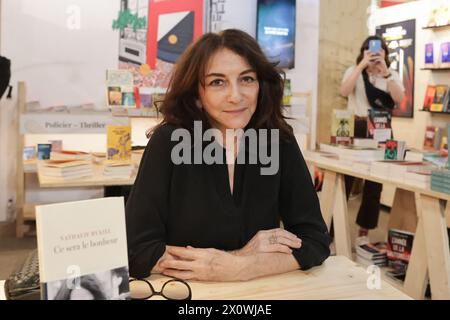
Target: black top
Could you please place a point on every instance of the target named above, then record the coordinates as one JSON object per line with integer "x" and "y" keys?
{"x": 192, "y": 205}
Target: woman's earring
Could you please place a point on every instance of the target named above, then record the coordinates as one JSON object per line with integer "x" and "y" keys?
{"x": 198, "y": 104}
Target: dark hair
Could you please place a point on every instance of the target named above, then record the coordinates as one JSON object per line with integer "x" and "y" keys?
{"x": 365, "y": 46}
{"x": 180, "y": 103}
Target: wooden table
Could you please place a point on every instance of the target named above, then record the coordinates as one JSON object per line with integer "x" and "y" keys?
{"x": 416, "y": 206}
{"x": 337, "y": 278}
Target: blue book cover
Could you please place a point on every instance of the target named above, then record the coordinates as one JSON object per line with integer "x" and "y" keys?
{"x": 445, "y": 52}
{"x": 44, "y": 150}
{"x": 429, "y": 53}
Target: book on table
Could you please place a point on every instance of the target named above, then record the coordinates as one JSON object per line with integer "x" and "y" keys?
{"x": 65, "y": 169}
{"x": 82, "y": 250}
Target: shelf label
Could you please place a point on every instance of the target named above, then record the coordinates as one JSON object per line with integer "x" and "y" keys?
{"x": 64, "y": 123}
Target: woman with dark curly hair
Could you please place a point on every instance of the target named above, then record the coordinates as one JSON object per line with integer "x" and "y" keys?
{"x": 221, "y": 172}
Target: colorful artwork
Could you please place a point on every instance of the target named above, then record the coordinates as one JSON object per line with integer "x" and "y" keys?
{"x": 276, "y": 31}
{"x": 401, "y": 41}
{"x": 154, "y": 34}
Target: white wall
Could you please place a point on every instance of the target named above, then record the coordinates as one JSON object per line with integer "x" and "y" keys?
{"x": 59, "y": 66}
{"x": 413, "y": 130}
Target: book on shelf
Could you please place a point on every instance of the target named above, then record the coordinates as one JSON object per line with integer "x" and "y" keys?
{"x": 342, "y": 126}
{"x": 120, "y": 88}
{"x": 446, "y": 101}
{"x": 429, "y": 97}
{"x": 429, "y": 55}
{"x": 394, "y": 150}
{"x": 445, "y": 55}
{"x": 29, "y": 152}
{"x": 379, "y": 125}
{"x": 82, "y": 249}
{"x": 430, "y": 136}
{"x": 43, "y": 151}
{"x": 118, "y": 142}
{"x": 438, "y": 102}
{"x": 66, "y": 169}
{"x": 56, "y": 145}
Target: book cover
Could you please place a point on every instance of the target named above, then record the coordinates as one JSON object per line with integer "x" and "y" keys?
{"x": 119, "y": 143}
{"x": 391, "y": 150}
{"x": 429, "y": 97}
{"x": 445, "y": 54}
{"x": 429, "y": 54}
{"x": 430, "y": 133}
{"x": 379, "y": 125}
{"x": 29, "y": 153}
{"x": 438, "y": 102}
{"x": 287, "y": 93}
{"x": 82, "y": 248}
{"x": 44, "y": 150}
{"x": 342, "y": 127}
{"x": 446, "y": 101}
{"x": 120, "y": 88}
{"x": 399, "y": 245}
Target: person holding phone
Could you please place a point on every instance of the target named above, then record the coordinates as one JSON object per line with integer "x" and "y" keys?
{"x": 370, "y": 84}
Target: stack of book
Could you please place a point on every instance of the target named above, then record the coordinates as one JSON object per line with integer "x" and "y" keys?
{"x": 70, "y": 155}
{"x": 440, "y": 181}
{"x": 118, "y": 169}
{"x": 352, "y": 153}
{"x": 66, "y": 169}
{"x": 368, "y": 254}
{"x": 419, "y": 177}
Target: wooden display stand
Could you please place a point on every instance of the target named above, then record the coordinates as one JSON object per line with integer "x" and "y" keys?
{"x": 24, "y": 211}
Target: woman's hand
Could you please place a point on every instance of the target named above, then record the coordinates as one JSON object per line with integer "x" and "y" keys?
{"x": 367, "y": 60}
{"x": 380, "y": 65}
{"x": 275, "y": 240}
{"x": 203, "y": 264}
{"x": 166, "y": 256}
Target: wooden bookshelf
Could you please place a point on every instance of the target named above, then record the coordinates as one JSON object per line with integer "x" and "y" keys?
{"x": 436, "y": 69}
{"x": 435, "y": 112}
{"x": 445, "y": 26}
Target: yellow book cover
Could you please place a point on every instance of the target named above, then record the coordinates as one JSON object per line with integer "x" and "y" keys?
{"x": 342, "y": 126}
{"x": 438, "y": 103}
{"x": 119, "y": 143}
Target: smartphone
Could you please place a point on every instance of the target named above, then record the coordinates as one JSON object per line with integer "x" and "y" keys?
{"x": 375, "y": 46}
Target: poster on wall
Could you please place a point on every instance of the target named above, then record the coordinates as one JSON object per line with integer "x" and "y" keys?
{"x": 226, "y": 14}
{"x": 276, "y": 31}
{"x": 401, "y": 41}
{"x": 154, "y": 34}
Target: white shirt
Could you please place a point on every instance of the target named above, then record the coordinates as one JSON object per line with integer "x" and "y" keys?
{"x": 357, "y": 100}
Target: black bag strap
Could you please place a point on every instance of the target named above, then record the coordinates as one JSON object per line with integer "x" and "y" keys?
{"x": 378, "y": 99}
{"x": 5, "y": 74}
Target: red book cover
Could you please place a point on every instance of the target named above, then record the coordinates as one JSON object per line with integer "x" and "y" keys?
{"x": 429, "y": 97}
{"x": 430, "y": 134}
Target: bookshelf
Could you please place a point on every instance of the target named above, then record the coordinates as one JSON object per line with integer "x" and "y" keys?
{"x": 30, "y": 123}
{"x": 435, "y": 69}
{"x": 435, "y": 112}
{"x": 437, "y": 28}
